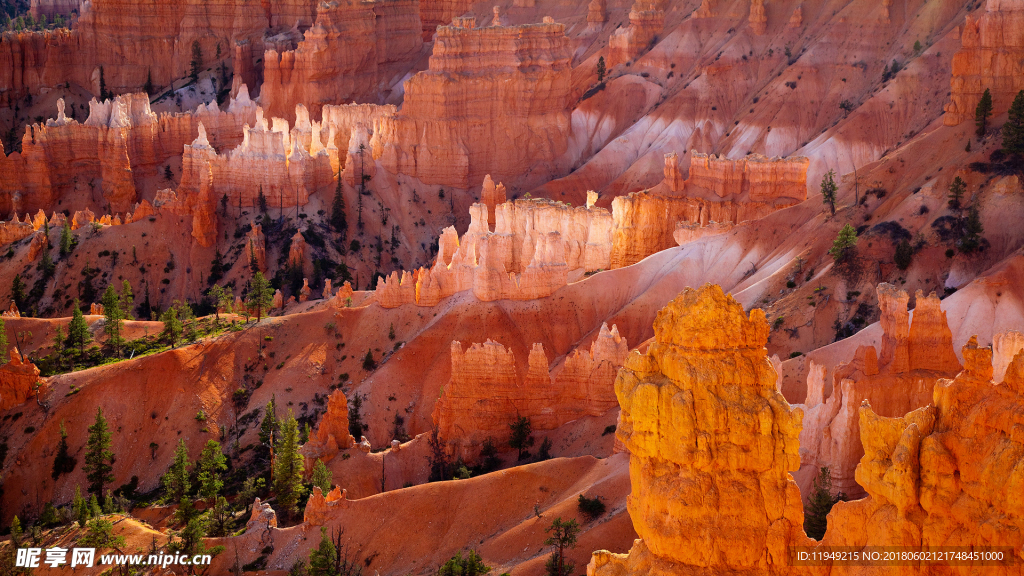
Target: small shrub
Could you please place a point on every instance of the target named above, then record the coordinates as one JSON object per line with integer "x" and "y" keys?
{"x": 795, "y": 354}
{"x": 201, "y": 416}
{"x": 790, "y": 284}
{"x": 592, "y": 508}
{"x": 609, "y": 429}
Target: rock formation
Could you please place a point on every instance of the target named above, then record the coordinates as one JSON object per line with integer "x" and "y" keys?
{"x": 711, "y": 444}
{"x": 491, "y": 196}
{"x": 646, "y": 21}
{"x": 758, "y": 19}
{"x": 1005, "y": 347}
{"x": 297, "y": 250}
{"x": 931, "y": 478}
{"x": 495, "y": 100}
{"x": 797, "y": 19}
{"x": 915, "y": 355}
{"x": 597, "y": 12}
{"x": 534, "y": 247}
{"x": 256, "y": 247}
{"x": 717, "y": 190}
{"x": 319, "y": 507}
{"x": 119, "y": 144}
{"x": 350, "y": 53}
{"x": 331, "y": 434}
{"x": 17, "y": 381}
{"x": 991, "y": 47}
{"x": 486, "y": 391}
{"x": 51, "y": 8}
{"x": 435, "y": 13}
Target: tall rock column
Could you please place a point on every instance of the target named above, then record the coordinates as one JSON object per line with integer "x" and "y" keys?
{"x": 711, "y": 444}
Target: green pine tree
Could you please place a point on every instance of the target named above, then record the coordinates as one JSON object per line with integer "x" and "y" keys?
{"x": 563, "y": 535}
{"x": 270, "y": 425}
{"x": 322, "y": 558}
{"x": 260, "y": 295}
{"x": 338, "y": 221}
{"x": 80, "y": 507}
{"x": 520, "y": 439}
{"x": 176, "y": 481}
{"x": 288, "y": 466}
{"x": 600, "y": 69}
{"x": 957, "y": 188}
{"x": 819, "y": 504}
{"x": 844, "y": 244}
{"x": 4, "y": 358}
{"x": 982, "y": 112}
{"x": 210, "y": 465}
{"x": 1013, "y": 130}
{"x": 78, "y": 331}
{"x": 18, "y": 291}
{"x": 63, "y": 462}
{"x": 67, "y": 239}
{"x": 172, "y": 326}
{"x": 828, "y": 190}
{"x": 322, "y": 477}
{"x": 114, "y": 314}
{"x": 127, "y": 300}
{"x": 470, "y": 565}
{"x": 99, "y": 459}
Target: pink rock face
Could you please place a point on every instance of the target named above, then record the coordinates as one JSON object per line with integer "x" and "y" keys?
{"x": 17, "y": 381}
{"x": 718, "y": 190}
{"x": 991, "y": 48}
{"x": 121, "y": 143}
{"x": 485, "y": 393}
{"x": 535, "y": 245}
{"x": 494, "y": 100}
{"x": 350, "y": 53}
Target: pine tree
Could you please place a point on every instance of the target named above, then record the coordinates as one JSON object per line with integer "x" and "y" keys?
{"x": 322, "y": 559}
{"x": 288, "y": 466}
{"x": 828, "y": 190}
{"x": 470, "y": 565}
{"x": 67, "y": 239}
{"x": 16, "y": 532}
{"x": 18, "y": 291}
{"x": 127, "y": 300}
{"x": 176, "y": 481}
{"x": 99, "y": 460}
{"x": 1013, "y": 130}
{"x": 260, "y": 295}
{"x": 148, "y": 86}
{"x": 904, "y": 254}
{"x": 113, "y": 312}
{"x": 262, "y": 201}
{"x": 78, "y": 330}
{"x": 844, "y": 244}
{"x": 322, "y": 477}
{"x": 972, "y": 230}
{"x": 80, "y": 507}
{"x": 982, "y": 112}
{"x": 956, "y": 193}
{"x": 197, "y": 61}
{"x": 520, "y": 439}
{"x": 172, "y": 326}
{"x": 210, "y": 465}
{"x": 270, "y": 425}
{"x": 563, "y": 535}
{"x": 59, "y": 351}
{"x": 819, "y": 504}
{"x": 63, "y": 462}
{"x": 600, "y": 69}
{"x": 222, "y": 300}
{"x": 104, "y": 95}
{"x": 338, "y": 221}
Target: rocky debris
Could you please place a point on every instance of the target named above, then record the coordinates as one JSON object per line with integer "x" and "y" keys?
{"x": 711, "y": 445}
{"x": 457, "y": 117}
{"x": 485, "y": 391}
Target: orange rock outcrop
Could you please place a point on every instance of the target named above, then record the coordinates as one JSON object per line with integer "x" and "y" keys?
{"x": 320, "y": 507}
{"x": 435, "y": 13}
{"x": 717, "y": 190}
{"x": 947, "y": 474}
{"x": 711, "y": 444}
{"x": 350, "y": 53}
{"x": 915, "y": 355}
{"x": 17, "y": 381}
{"x": 758, "y": 19}
{"x": 991, "y": 49}
{"x": 297, "y": 250}
{"x": 535, "y": 246}
{"x": 495, "y": 100}
{"x": 331, "y": 434}
{"x": 256, "y": 246}
{"x": 486, "y": 391}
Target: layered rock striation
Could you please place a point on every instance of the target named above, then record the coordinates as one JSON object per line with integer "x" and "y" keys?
{"x": 350, "y": 53}
{"x": 711, "y": 444}
{"x": 535, "y": 246}
{"x": 717, "y": 190}
{"x": 494, "y": 100}
{"x": 646, "y": 21}
{"x": 487, "y": 391}
{"x": 989, "y": 58}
